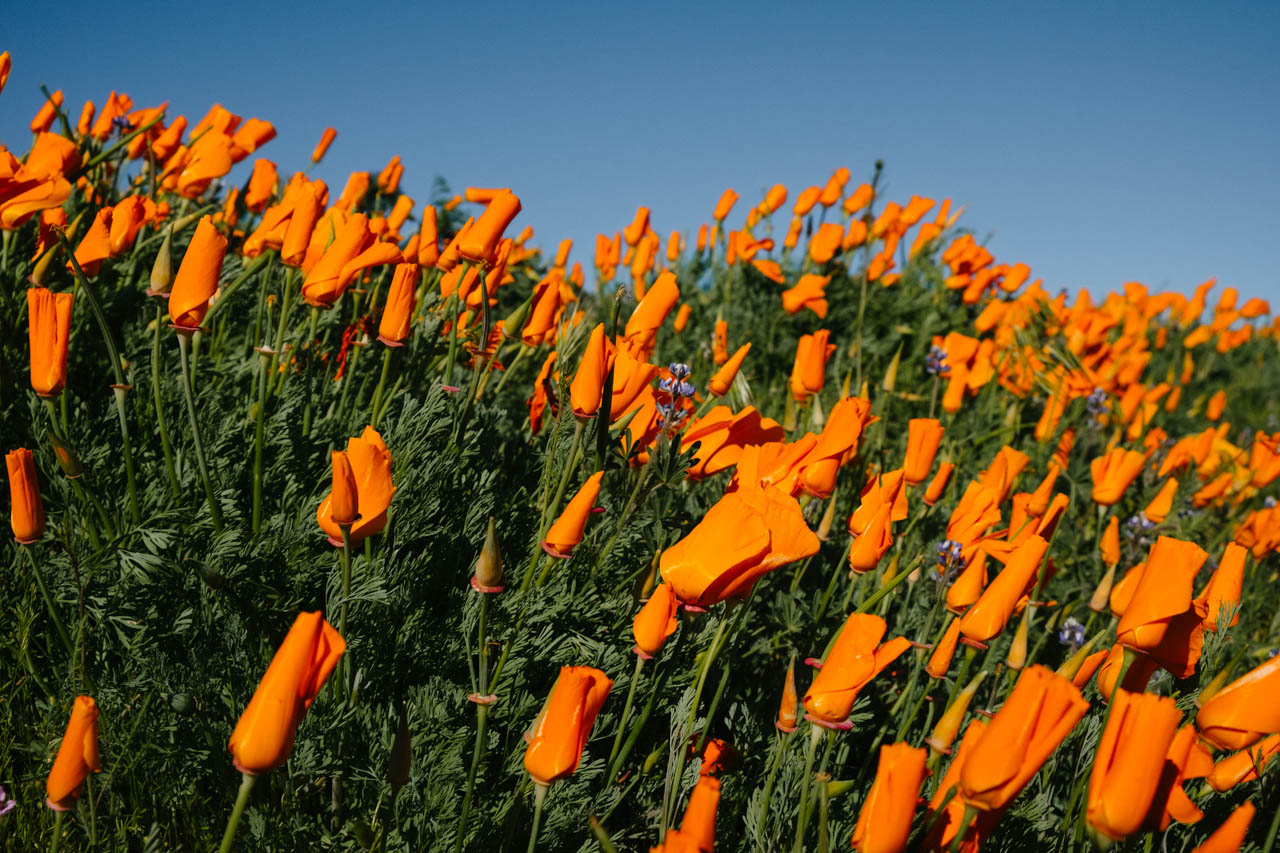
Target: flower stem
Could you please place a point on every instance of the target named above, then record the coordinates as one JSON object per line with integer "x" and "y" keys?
{"x": 158, "y": 400}
{"x": 242, "y": 800}
{"x": 259, "y": 437}
{"x": 482, "y": 719}
{"x": 345, "y": 561}
{"x": 816, "y": 733}
{"x": 57, "y": 832}
{"x": 539, "y": 796}
{"x": 375, "y": 409}
{"x": 622, "y": 722}
{"x": 215, "y": 511}
{"x": 49, "y": 602}
{"x": 779, "y": 749}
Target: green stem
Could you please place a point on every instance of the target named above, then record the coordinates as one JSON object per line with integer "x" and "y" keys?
{"x": 779, "y": 750}
{"x": 520, "y": 354}
{"x": 375, "y": 409}
{"x": 816, "y": 733}
{"x": 184, "y": 347}
{"x": 345, "y": 561}
{"x": 258, "y": 263}
{"x": 622, "y": 722}
{"x": 57, "y": 832}
{"x": 242, "y": 800}
{"x": 482, "y": 719}
{"x": 310, "y": 368}
{"x": 259, "y": 437}
{"x": 157, "y": 398}
{"x": 134, "y": 512}
{"x": 49, "y": 603}
{"x": 539, "y": 796}
{"x": 1271, "y": 833}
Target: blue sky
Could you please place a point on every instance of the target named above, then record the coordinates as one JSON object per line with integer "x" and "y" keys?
{"x": 1097, "y": 143}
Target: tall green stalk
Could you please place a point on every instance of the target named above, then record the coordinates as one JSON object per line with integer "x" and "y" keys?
{"x": 184, "y": 347}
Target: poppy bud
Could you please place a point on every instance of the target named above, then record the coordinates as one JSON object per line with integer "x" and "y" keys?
{"x": 77, "y": 756}
{"x": 326, "y": 139}
{"x": 725, "y": 204}
{"x": 26, "y": 509}
{"x": 343, "y": 500}
{"x": 566, "y": 533}
{"x": 488, "y": 576}
{"x": 938, "y": 484}
{"x": 723, "y": 378}
{"x": 67, "y": 459}
{"x": 944, "y": 733}
{"x": 788, "y": 712}
{"x": 656, "y": 621}
{"x": 49, "y": 318}
{"x": 944, "y": 650}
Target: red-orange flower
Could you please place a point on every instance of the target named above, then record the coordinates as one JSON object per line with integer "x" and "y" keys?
{"x": 856, "y": 657}
{"x": 884, "y": 823}
{"x": 197, "y": 277}
{"x": 656, "y": 621}
{"x": 1162, "y": 620}
{"x": 566, "y": 533}
{"x": 77, "y": 756}
{"x": 49, "y": 329}
{"x": 1113, "y": 472}
{"x": 371, "y": 467}
{"x": 560, "y": 732}
{"x": 923, "y": 437}
{"x": 26, "y": 509}
{"x": 1246, "y": 710}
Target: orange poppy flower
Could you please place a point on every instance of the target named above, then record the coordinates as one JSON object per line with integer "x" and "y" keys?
{"x": 809, "y": 292}
{"x": 566, "y": 533}
{"x": 397, "y": 315}
{"x": 652, "y": 311}
{"x": 721, "y": 436}
{"x": 49, "y": 329}
{"x": 95, "y": 246}
{"x": 77, "y": 756}
{"x": 725, "y": 204}
{"x": 263, "y": 736}
{"x": 1217, "y": 403}
{"x": 836, "y": 445}
{"x": 1128, "y": 762}
{"x": 1040, "y": 712}
{"x": 561, "y": 729}
{"x": 1223, "y": 589}
{"x": 944, "y": 733}
{"x": 889, "y": 489}
{"x": 631, "y": 376}
{"x": 1112, "y": 474}
{"x": 343, "y": 497}
{"x": 1162, "y": 620}
{"x": 923, "y": 437}
{"x": 940, "y": 659}
{"x": 723, "y": 378}
{"x": 26, "y": 509}
{"x": 989, "y": 615}
{"x": 262, "y": 185}
{"x": 884, "y": 823}
{"x": 371, "y": 467}
{"x": 1246, "y": 710}
{"x": 48, "y": 111}
{"x": 808, "y": 374}
{"x": 720, "y": 342}
{"x": 326, "y": 139}
{"x": 1245, "y": 766}
{"x": 746, "y": 534}
{"x": 588, "y": 383}
{"x": 1162, "y": 504}
{"x": 354, "y": 248}
{"x": 1229, "y": 837}
{"x": 938, "y": 484}
{"x": 977, "y": 511}
{"x": 873, "y": 543}
{"x": 951, "y": 809}
{"x": 1110, "y": 544}
{"x": 656, "y": 621}
{"x": 197, "y": 277}
{"x": 538, "y": 400}
{"x": 481, "y": 239}
{"x": 856, "y": 657}
{"x": 825, "y": 242}
{"x": 682, "y": 318}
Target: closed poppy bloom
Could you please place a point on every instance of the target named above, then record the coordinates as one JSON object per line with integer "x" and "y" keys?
{"x": 872, "y": 543}
{"x": 326, "y": 139}
{"x": 808, "y": 374}
{"x": 538, "y": 399}
{"x": 560, "y": 732}
{"x": 697, "y": 832}
{"x": 856, "y": 657}
{"x": 127, "y": 218}
{"x": 210, "y": 157}
{"x": 197, "y": 277}
{"x": 652, "y": 310}
{"x": 1128, "y": 762}
{"x": 1162, "y": 620}
{"x": 682, "y": 318}
{"x": 720, "y": 343}
{"x": 884, "y": 823}
{"x": 1040, "y": 712}
{"x": 1246, "y": 710}
{"x": 723, "y": 378}
{"x": 354, "y": 248}
{"x": 1112, "y": 474}
{"x": 656, "y": 621}
{"x": 923, "y": 437}
{"x": 881, "y": 489}
{"x": 1187, "y": 758}
{"x": 1223, "y": 589}
{"x": 19, "y": 203}
{"x": 722, "y": 435}
{"x": 1162, "y": 504}
{"x": 825, "y": 242}
{"x": 48, "y": 111}
{"x": 938, "y": 485}
{"x": 836, "y": 445}
{"x": 371, "y": 467}
{"x": 262, "y": 185}
{"x": 725, "y": 204}
{"x": 631, "y": 378}
{"x": 263, "y": 736}
{"x": 990, "y": 613}
{"x": 49, "y": 329}
{"x": 1135, "y": 678}
{"x": 944, "y": 733}
{"x": 6, "y": 63}
{"x": 1110, "y": 544}
{"x": 95, "y": 245}
{"x": 1229, "y": 837}
{"x": 788, "y": 706}
{"x": 343, "y": 497}
{"x": 951, "y": 809}
{"x": 251, "y": 136}
{"x": 481, "y": 239}
{"x": 77, "y": 756}
{"x": 26, "y": 509}
{"x": 397, "y": 316}
{"x": 746, "y": 534}
{"x": 1245, "y": 766}
{"x": 810, "y": 292}
{"x": 1217, "y": 403}
{"x": 566, "y": 533}
{"x": 943, "y": 652}
{"x": 588, "y": 383}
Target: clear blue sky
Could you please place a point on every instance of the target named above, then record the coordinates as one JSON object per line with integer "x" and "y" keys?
{"x": 1098, "y": 144}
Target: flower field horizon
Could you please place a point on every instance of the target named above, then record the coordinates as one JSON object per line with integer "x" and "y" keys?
{"x": 344, "y": 520}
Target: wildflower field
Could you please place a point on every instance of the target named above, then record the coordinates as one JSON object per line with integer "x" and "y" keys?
{"x": 344, "y": 520}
